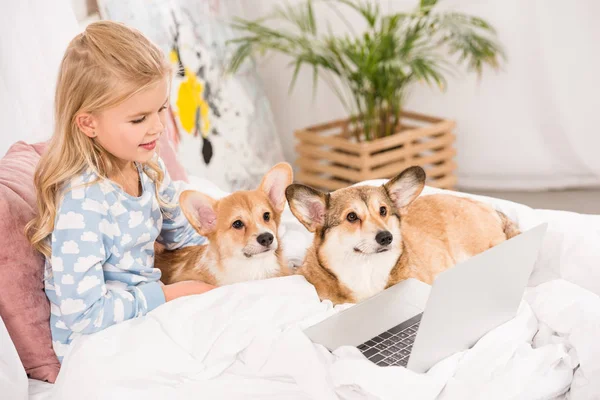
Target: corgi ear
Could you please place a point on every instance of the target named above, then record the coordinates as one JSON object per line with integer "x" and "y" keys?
{"x": 406, "y": 187}
{"x": 308, "y": 205}
{"x": 274, "y": 183}
{"x": 200, "y": 210}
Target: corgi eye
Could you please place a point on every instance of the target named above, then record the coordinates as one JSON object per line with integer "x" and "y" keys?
{"x": 267, "y": 216}
{"x": 382, "y": 211}
{"x": 237, "y": 224}
{"x": 352, "y": 217}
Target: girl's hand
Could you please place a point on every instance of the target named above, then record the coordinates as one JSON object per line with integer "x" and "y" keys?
{"x": 185, "y": 288}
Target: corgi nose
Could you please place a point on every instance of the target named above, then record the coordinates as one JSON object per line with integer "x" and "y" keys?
{"x": 384, "y": 238}
{"x": 265, "y": 239}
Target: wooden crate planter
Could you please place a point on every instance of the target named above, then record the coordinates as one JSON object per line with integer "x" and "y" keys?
{"x": 329, "y": 158}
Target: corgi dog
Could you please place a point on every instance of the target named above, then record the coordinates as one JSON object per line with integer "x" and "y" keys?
{"x": 241, "y": 229}
{"x": 368, "y": 238}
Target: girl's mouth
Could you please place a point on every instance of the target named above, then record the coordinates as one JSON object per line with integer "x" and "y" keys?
{"x": 148, "y": 146}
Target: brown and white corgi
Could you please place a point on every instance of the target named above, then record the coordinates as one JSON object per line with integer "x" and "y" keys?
{"x": 368, "y": 238}
{"x": 241, "y": 228}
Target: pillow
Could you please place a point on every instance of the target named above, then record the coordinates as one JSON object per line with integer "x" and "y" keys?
{"x": 23, "y": 303}
{"x": 167, "y": 142}
{"x": 219, "y": 118}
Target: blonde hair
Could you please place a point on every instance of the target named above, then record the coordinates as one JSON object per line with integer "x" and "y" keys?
{"x": 102, "y": 67}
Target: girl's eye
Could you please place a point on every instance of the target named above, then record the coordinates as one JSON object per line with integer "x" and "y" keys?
{"x": 383, "y": 211}
{"x": 139, "y": 121}
{"x": 163, "y": 108}
{"x": 267, "y": 216}
{"x": 352, "y": 217}
{"x": 237, "y": 224}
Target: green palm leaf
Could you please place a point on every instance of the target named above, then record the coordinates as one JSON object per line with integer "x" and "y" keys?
{"x": 370, "y": 72}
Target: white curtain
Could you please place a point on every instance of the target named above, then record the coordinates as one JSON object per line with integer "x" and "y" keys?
{"x": 535, "y": 124}
{"x": 33, "y": 37}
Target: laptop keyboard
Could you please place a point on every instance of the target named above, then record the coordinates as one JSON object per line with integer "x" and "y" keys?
{"x": 393, "y": 346}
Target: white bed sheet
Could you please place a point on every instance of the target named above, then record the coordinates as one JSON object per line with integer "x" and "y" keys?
{"x": 246, "y": 341}
{"x": 39, "y": 390}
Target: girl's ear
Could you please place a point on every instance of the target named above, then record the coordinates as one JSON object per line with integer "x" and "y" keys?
{"x": 87, "y": 123}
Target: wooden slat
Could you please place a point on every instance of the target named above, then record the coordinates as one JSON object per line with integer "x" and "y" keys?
{"x": 429, "y": 146}
{"x": 403, "y": 153}
{"x": 445, "y": 168}
{"x": 338, "y": 123}
{"x": 316, "y": 152}
{"x": 437, "y": 156}
{"x": 420, "y": 117}
{"x": 333, "y": 141}
{"x": 319, "y": 182}
{"x": 447, "y": 182}
{"x": 344, "y": 173}
{"x": 387, "y": 157}
{"x": 409, "y": 135}
{"x": 391, "y": 170}
{"x": 441, "y": 141}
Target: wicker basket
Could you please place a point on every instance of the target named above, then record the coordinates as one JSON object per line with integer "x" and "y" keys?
{"x": 331, "y": 158}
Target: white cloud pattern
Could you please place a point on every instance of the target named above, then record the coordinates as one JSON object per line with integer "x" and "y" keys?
{"x": 57, "y": 264}
{"x": 109, "y": 229}
{"x": 72, "y": 306}
{"x": 70, "y": 247}
{"x": 70, "y": 220}
{"x": 125, "y": 239}
{"x": 117, "y": 209}
{"x": 87, "y": 283}
{"x": 83, "y": 264}
{"x": 144, "y": 238}
{"x": 135, "y": 218}
{"x": 89, "y": 237}
{"x": 126, "y": 261}
{"x": 94, "y": 206}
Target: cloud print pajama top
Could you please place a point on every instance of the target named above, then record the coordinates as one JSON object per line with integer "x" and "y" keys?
{"x": 102, "y": 267}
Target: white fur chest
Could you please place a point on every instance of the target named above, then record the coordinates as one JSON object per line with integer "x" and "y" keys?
{"x": 241, "y": 269}
{"x": 364, "y": 275}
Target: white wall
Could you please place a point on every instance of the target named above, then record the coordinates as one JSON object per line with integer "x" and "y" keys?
{"x": 509, "y": 133}
{"x": 33, "y": 37}
{"x": 533, "y": 125}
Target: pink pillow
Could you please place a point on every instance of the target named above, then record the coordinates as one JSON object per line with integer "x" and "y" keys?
{"x": 168, "y": 142}
{"x": 24, "y": 306}
{"x": 23, "y": 303}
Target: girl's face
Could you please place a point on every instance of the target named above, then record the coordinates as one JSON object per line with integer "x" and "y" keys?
{"x": 130, "y": 130}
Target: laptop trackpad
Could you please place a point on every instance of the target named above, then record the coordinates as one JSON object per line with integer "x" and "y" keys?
{"x": 371, "y": 317}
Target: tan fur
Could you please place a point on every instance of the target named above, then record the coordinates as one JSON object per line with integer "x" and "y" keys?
{"x": 222, "y": 260}
{"x": 432, "y": 234}
{"x": 440, "y": 231}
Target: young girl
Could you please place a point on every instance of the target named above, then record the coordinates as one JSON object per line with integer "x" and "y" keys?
{"x": 103, "y": 195}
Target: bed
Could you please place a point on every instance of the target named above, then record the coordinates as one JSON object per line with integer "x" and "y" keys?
{"x": 246, "y": 340}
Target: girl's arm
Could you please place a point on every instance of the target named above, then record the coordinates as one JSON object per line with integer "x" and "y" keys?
{"x": 176, "y": 231}
{"x": 83, "y": 234}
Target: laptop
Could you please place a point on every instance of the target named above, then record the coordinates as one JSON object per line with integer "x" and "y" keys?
{"x": 414, "y": 325}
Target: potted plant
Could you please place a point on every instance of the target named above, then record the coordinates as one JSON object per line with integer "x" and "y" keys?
{"x": 370, "y": 73}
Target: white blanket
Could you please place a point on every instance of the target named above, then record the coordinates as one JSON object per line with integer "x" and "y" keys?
{"x": 246, "y": 340}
